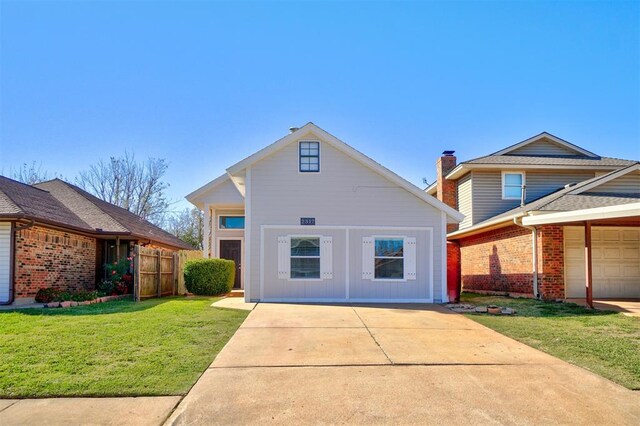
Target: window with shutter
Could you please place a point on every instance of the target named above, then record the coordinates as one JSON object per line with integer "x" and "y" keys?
{"x": 410, "y": 258}
{"x": 326, "y": 258}
{"x": 284, "y": 251}
{"x": 367, "y": 258}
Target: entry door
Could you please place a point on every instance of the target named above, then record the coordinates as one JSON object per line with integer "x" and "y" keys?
{"x": 232, "y": 250}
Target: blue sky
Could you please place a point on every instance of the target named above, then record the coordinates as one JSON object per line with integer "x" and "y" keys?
{"x": 204, "y": 84}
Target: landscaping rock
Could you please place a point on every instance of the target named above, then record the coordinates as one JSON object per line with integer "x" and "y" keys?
{"x": 74, "y": 303}
{"x": 85, "y": 303}
{"x": 65, "y": 304}
{"x": 481, "y": 309}
{"x": 494, "y": 310}
{"x": 508, "y": 311}
{"x": 53, "y": 305}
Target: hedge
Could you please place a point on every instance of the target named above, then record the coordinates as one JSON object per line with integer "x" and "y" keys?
{"x": 209, "y": 277}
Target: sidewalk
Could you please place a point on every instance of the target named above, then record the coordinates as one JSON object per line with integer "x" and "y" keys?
{"x": 87, "y": 411}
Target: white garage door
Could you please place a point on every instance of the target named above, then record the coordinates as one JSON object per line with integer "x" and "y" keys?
{"x": 616, "y": 262}
{"x": 5, "y": 259}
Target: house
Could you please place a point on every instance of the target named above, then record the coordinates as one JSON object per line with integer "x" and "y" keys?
{"x": 533, "y": 209}
{"x": 54, "y": 234}
{"x": 309, "y": 218}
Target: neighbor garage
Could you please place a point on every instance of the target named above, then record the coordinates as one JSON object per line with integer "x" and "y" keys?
{"x": 5, "y": 261}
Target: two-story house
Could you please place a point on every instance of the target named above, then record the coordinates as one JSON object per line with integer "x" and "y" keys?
{"x": 309, "y": 218}
{"x": 545, "y": 218}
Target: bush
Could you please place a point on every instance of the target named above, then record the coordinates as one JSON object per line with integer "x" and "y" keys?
{"x": 209, "y": 277}
{"x": 46, "y": 295}
{"x": 105, "y": 287}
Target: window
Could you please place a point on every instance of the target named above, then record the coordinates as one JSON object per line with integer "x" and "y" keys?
{"x": 389, "y": 259}
{"x": 305, "y": 257}
{"x": 231, "y": 222}
{"x": 309, "y": 153}
{"x": 512, "y": 185}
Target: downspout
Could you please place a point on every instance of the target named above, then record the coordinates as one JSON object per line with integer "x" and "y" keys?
{"x": 12, "y": 267}
{"x": 534, "y": 257}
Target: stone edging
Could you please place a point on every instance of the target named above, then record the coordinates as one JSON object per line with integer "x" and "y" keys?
{"x": 70, "y": 303}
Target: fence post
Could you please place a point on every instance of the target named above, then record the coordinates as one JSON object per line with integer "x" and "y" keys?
{"x": 159, "y": 273}
{"x": 174, "y": 266}
{"x": 136, "y": 273}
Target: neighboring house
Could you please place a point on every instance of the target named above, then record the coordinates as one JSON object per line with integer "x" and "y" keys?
{"x": 530, "y": 211}
{"x": 309, "y": 218}
{"x": 54, "y": 234}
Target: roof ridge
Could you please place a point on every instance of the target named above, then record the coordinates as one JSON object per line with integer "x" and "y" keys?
{"x": 25, "y": 184}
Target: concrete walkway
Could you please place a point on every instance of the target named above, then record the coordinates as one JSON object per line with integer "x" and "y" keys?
{"x": 402, "y": 365}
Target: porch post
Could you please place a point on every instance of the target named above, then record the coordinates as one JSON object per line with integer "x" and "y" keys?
{"x": 206, "y": 238}
{"x": 212, "y": 243}
{"x": 117, "y": 248}
{"x": 587, "y": 263}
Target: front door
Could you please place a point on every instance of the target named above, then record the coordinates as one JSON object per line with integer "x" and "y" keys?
{"x": 232, "y": 250}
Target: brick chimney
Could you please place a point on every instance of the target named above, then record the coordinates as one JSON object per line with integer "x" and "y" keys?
{"x": 447, "y": 190}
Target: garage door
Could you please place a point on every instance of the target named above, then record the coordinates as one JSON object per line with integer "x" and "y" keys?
{"x": 616, "y": 262}
{"x": 5, "y": 259}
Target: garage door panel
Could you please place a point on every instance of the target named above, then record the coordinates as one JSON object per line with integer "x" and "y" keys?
{"x": 5, "y": 261}
{"x": 616, "y": 262}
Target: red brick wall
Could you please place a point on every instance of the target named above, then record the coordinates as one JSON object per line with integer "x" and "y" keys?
{"x": 453, "y": 270}
{"x": 49, "y": 258}
{"x": 551, "y": 262}
{"x": 499, "y": 261}
{"x": 447, "y": 190}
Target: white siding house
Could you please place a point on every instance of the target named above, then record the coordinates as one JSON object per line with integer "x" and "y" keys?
{"x": 323, "y": 222}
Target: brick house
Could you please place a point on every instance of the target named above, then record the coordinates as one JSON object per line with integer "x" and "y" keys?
{"x": 543, "y": 218}
{"x": 54, "y": 234}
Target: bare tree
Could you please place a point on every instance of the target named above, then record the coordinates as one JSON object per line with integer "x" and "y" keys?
{"x": 30, "y": 174}
{"x": 188, "y": 226}
{"x": 136, "y": 186}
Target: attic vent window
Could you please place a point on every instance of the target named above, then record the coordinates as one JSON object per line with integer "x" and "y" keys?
{"x": 309, "y": 156}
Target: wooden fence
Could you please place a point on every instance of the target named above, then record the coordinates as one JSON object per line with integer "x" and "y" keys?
{"x": 159, "y": 273}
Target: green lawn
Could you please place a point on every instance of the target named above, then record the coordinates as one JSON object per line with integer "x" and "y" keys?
{"x": 120, "y": 348}
{"x": 605, "y": 342}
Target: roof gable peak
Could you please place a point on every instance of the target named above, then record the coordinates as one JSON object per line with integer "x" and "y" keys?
{"x": 568, "y": 147}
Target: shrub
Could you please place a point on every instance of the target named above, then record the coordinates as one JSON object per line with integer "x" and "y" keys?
{"x": 209, "y": 277}
{"x": 46, "y": 295}
{"x": 105, "y": 287}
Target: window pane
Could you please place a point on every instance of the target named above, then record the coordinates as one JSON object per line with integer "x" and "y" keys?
{"x": 389, "y": 269}
{"x": 231, "y": 222}
{"x": 513, "y": 179}
{"x": 314, "y": 168}
{"x": 305, "y": 246}
{"x": 512, "y": 192}
{"x": 305, "y": 151}
{"x": 389, "y": 248}
{"x": 305, "y": 267}
{"x": 304, "y": 167}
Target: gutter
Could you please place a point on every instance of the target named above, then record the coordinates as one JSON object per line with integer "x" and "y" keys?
{"x": 534, "y": 247}
{"x": 12, "y": 259}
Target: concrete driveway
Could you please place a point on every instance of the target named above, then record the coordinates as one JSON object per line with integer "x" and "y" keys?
{"x": 402, "y": 365}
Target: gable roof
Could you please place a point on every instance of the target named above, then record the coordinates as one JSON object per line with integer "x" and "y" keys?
{"x": 545, "y": 135}
{"x": 104, "y": 217}
{"x": 568, "y": 198}
{"x": 355, "y": 155}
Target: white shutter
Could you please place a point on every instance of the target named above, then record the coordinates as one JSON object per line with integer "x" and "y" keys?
{"x": 326, "y": 258}
{"x": 409, "y": 250}
{"x": 368, "y": 248}
{"x": 284, "y": 257}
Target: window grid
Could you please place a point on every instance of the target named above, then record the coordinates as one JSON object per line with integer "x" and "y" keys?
{"x": 297, "y": 274}
{"x": 381, "y": 270}
{"x": 309, "y": 157}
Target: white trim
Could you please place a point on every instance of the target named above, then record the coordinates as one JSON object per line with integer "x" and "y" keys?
{"x": 261, "y": 263}
{"x": 463, "y": 168}
{"x": 444, "y": 262}
{"x": 524, "y": 183}
{"x": 386, "y": 228}
{"x": 346, "y": 301}
{"x": 219, "y": 250}
{"x": 207, "y": 187}
{"x": 217, "y": 218}
{"x": 388, "y": 237}
{"x": 545, "y": 135}
{"x": 206, "y": 238}
{"x": 319, "y": 157}
{"x": 598, "y": 213}
{"x": 347, "y": 268}
{"x": 353, "y": 153}
{"x": 247, "y": 236}
{"x": 212, "y": 246}
{"x": 430, "y": 261}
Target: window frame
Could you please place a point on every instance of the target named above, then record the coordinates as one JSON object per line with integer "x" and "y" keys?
{"x": 504, "y": 173}
{"x": 388, "y": 237}
{"x": 300, "y": 156}
{"x": 319, "y": 257}
{"x": 220, "y": 228}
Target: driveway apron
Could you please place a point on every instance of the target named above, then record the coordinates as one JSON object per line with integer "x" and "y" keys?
{"x": 405, "y": 364}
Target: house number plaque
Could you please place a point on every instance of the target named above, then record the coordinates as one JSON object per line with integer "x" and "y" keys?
{"x": 307, "y": 221}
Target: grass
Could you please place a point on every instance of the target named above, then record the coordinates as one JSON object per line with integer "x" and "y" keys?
{"x": 604, "y": 342}
{"x": 120, "y": 348}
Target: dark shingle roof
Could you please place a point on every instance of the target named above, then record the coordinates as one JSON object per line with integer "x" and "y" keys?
{"x": 542, "y": 160}
{"x": 25, "y": 200}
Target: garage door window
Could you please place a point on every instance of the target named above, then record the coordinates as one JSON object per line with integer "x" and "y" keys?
{"x": 389, "y": 259}
{"x": 305, "y": 257}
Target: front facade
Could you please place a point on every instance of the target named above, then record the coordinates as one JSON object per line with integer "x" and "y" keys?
{"x": 528, "y": 209}
{"x": 55, "y": 235}
{"x": 323, "y": 222}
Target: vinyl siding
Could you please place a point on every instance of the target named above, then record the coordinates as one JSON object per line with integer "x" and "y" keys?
{"x": 344, "y": 193}
{"x": 627, "y": 184}
{"x": 5, "y": 261}
{"x": 487, "y": 190}
{"x": 543, "y": 147}
{"x": 465, "y": 189}
{"x": 225, "y": 194}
